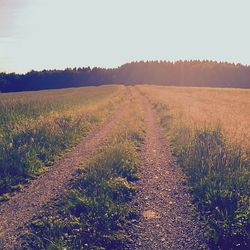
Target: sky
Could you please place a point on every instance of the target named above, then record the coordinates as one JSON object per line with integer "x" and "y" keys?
{"x": 49, "y": 34}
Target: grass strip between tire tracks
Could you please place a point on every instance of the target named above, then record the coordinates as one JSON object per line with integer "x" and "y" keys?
{"x": 95, "y": 211}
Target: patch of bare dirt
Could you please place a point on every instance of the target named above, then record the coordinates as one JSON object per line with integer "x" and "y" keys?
{"x": 168, "y": 218}
{"x": 20, "y": 209}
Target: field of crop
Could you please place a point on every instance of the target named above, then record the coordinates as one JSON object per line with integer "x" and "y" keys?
{"x": 35, "y": 127}
{"x": 209, "y": 133}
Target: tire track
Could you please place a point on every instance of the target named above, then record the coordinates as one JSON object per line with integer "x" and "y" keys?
{"x": 20, "y": 209}
{"x": 168, "y": 219}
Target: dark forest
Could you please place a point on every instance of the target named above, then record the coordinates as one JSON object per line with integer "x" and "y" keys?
{"x": 180, "y": 73}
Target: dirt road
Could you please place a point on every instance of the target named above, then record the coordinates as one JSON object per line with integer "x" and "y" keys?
{"x": 168, "y": 218}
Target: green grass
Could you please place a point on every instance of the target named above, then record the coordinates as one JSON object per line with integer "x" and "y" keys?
{"x": 218, "y": 173}
{"x": 34, "y": 129}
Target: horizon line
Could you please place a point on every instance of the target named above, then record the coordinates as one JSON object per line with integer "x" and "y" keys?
{"x": 136, "y": 61}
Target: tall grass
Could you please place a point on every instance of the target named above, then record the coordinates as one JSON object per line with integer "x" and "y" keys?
{"x": 33, "y": 133}
{"x": 95, "y": 211}
{"x": 218, "y": 172}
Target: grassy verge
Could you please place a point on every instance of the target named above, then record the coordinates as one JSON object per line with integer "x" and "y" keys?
{"x": 32, "y": 144}
{"x": 95, "y": 211}
{"x": 218, "y": 173}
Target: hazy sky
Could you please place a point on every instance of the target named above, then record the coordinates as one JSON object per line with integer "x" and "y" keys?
{"x": 38, "y": 34}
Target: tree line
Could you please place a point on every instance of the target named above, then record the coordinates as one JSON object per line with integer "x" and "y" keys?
{"x": 181, "y": 73}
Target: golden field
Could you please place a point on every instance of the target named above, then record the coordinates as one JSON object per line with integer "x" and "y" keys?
{"x": 199, "y": 107}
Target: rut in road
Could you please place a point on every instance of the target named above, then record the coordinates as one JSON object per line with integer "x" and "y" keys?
{"x": 168, "y": 218}
{"x": 19, "y": 210}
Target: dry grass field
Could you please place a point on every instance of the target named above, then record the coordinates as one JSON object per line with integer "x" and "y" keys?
{"x": 199, "y": 107}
